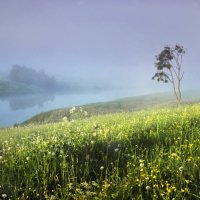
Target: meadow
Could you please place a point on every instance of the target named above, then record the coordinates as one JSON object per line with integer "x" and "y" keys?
{"x": 152, "y": 154}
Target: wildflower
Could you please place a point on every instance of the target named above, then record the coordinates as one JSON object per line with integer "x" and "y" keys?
{"x": 102, "y": 168}
{"x": 72, "y": 110}
{"x": 27, "y": 158}
{"x": 147, "y": 188}
{"x": 1, "y": 157}
{"x": 169, "y": 190}
{"x": 181, "y": 169}
{"x": 187, "y": 181}
{"x": 186, "y": 190}
{"x": 189, "y": 159}
{"x": 154, "y": 177}
{"x": 182, "y": 190}
{"x": 190, "y": 145}
{"x": 64, "y": 118}
{"x": 116, "y": 149}
{"x": 155, "y": 185}
{"x": 94, "y": 134}
{"x": 141, "y": 165}
{"x": 174, "y": 188}
{"x": 53, "y": 154}
{"x": 4, "y": 196}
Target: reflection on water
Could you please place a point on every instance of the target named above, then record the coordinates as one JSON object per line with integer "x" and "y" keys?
{"x": 17, "y": 109}
{"x": 20, "y": 108}
{"x": 24, "y": 102}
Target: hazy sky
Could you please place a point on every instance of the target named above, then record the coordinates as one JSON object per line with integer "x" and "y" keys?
{"x": 100, "y": 39}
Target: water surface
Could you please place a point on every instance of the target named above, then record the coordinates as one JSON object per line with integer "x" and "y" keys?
{"x": 17, "y": 109}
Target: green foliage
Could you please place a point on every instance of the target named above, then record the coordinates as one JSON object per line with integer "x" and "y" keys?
{"x": 145, "y": 155}
{"x": 166, "y": 68}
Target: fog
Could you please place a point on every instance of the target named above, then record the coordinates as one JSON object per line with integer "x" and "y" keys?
{"x": 109, "y": 44}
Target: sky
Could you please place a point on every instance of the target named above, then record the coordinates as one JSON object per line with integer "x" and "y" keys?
{"x": 108, "y": 41}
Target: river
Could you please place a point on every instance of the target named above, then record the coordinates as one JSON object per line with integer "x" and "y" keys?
{"x": 17, "y": 109}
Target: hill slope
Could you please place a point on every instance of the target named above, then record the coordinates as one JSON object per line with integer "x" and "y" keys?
{"x": 121, "y": 105}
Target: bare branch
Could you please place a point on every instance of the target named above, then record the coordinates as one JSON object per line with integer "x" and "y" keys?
{"x": 182, "y": 76}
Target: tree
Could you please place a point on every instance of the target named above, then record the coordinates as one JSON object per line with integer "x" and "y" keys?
{"x": 169, "y": 68}
{"x": 30, "y": 76}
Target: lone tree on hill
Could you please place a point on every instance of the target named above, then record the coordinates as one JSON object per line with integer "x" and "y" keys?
{"x": 169, "y": 68}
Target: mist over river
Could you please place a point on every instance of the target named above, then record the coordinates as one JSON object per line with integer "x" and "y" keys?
{"x": 17, "y": 109}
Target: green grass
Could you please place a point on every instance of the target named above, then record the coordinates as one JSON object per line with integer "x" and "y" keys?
{"x": 143, "y": 155}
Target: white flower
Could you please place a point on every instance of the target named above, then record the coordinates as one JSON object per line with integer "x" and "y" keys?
{"x": 4, "y": 196}
{"x": 64, "y": 118}
{"x": 72, "y": 110}
{"x": 1, "y": 157}
{"x": 181, "y": 168}
{"x": 94, "y": 134}
{"x": 27, "y": 158}
{"x": 53, "y": 154}
{"x": 147, "y": 188}
{"x": 92, "y": 142}
{"x": 116, "y": 150}
{"x": 102, "y": 168}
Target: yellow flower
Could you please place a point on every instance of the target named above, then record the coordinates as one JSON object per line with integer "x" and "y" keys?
{"x": 182, "y": 190}
{"x": 169, "y": 190}
{"x": 155, "y": 185}
{"x": 174, "y": 188}
{"x": 142, "y": 164}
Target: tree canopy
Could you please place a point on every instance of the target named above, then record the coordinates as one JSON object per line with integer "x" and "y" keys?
{"x": 32, "y": 77}
{"x": 169, "y": 68}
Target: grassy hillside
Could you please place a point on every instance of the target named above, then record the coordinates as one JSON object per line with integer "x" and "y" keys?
{"x": 121, "y": 105}
{"x": 142, "y": 155}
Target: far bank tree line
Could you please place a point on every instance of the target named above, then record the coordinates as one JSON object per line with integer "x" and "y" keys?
{"x": 30, "y": 76}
